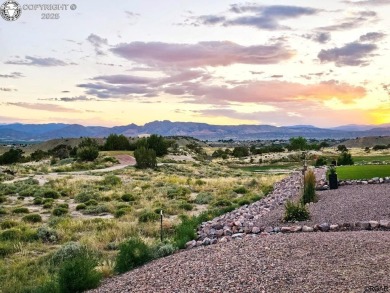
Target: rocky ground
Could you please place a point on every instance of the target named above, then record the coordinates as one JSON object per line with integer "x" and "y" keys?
{"x": 301, "y": 262}
{"x": 343, "y": 261}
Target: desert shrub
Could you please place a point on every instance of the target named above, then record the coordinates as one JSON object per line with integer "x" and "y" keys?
{"x": 96, "y": 210}
{"x": 132, "y": 253}
{"x": 199, "y": 182}
{"x": 295, "y": 212}
{"x": 48, "y": 205}
{"x": 81, "y": 206}
{"x": 203, "y": 198}
{"x": 47, "y": 286}
{"x": 243, "y": 201}
{"x": 29, "y": 191}
{"x": 6, "y": 248}
{"x": 240, "y": 190}
{"x": 221, "y": 203}
{"x": 163, "y": 249}
{"x": 32, "y": 218}
{"x": 309, "y": 190}
{"x": 148, "y": 216}
{"x": 186, "y": 206}
{"x": 50, "y": 193}
{"x": 128, "y": 197}
{"x": 178, "y": 192}
{"x": 321, "y": 161}
{"x": 120, "y": 213}
{"x": 20, "y": 210}
{"x": 78, "y": 274}
{"x": 91, "y": 202}
{"x": 3, "y": 199}
{"x": 59, "y": 211}
{"x": 85, "y": 196}
{"x": 24, "y": 234}
{"x": 47, "y": 234}
{"x": 38, "y": 200}
{"x": 68, "y": 251}
{"x": 380, "y": 147}
{"x": 7, "y": 224}
{"x": 111, "y": 180}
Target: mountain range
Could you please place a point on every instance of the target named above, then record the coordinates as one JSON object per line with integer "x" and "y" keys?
{"x": 204, "y": 131}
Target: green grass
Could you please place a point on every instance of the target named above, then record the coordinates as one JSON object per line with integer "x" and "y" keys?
{"x": 360, "y": 159}
{"x": 363, "y": 172}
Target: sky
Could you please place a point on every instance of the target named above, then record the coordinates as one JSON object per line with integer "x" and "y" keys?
{"x": 323, "y": 63}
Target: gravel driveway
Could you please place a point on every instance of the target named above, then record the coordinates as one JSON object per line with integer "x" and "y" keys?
{"x": 350, "y": 203}
{"x": 301, "y": 262}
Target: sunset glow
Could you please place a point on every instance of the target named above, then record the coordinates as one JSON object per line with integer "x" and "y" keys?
{"x": 323, "y": 63}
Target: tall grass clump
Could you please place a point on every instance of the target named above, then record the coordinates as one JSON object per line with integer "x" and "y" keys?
{"x": 309, "y": 190}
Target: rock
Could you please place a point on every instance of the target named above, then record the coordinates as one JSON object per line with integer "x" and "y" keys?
{"x": 384, "y": 224}
{"x": 217, "y": 226}
{"x": 227, "y": 232}
{"x": 214, "y": 241}
{"x": 277, "y": 230}
{"x": 285, "y": 229}
{"x": 334, "y": 227}
{"x": 307, "y": 229}
{"x": 237, "y": 235}
{"x": 256, "y": 230}
{"x": 374, "y": 224}
{"x": 237, "y": 223}
{"x": 190, "y": 244}
{"x": 295, "y": 229}
{"x": 206, "y": 241}
{"x": 363, "y": 225}
{"x": 381, "y": 180}
{"x": 269, "y": 229}
{"x": 324, "y": 227}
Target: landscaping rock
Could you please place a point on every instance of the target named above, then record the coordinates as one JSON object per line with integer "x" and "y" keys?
{"x": 384, "y": 224}
{"x": 324, "y": 227}
{"x": 307, "y": 229}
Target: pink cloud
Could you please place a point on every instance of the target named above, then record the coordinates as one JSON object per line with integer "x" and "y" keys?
{"x": 201, "y": 54}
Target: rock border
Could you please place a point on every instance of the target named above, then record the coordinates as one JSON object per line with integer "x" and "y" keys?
{"x": 381, "y": 225}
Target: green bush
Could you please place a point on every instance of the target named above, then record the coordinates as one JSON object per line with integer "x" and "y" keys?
{"x": 87, "y": 153}
{"x": 96, "y": 210}
{"x": 81, "y": 206}
{"x": 48, "y": 205}
{"x": 49, "y": 193}
{"x": 32, "y": 218}
{"x": 267, "y": 189}
{"x": 3, "y": 199}
{"x": 309, "y": 189}
{"x": 38, "y": 200}
{"x": 11, "y": 234}
{"x": 132, "y": 253}
{"x": 21, "y": 210}
{"x": 91, "y": 202}
{"x": 59, "y": 212}
{"x": 120, "y": 213}
{"x": 2, "y": 211}
{"x": 79, "y": 274}
{"x": 85, "y": 196}
{"x": 186, "y": 206}
{"x": 148, "y": 216}
{"x": 321, "y": 161}
{"x": 295, "y": 212}
{"x": 6, "y": 248}
{"x": 203, "y": 198}
{"x": 240, "y": 190}
{"x": 178, "y": 192}
{"x": 128, "y": 197}
{"x": 63, "y": 205}
{"x": 185, "y": 231}
{"x": 222, "y": 203}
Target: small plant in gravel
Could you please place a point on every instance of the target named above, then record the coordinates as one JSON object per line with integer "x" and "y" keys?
{"x": 163, "y": 249}
{"x": 295, "y": 212}
{"x": 132, "y": 253}
{"x": 309, "y": 189}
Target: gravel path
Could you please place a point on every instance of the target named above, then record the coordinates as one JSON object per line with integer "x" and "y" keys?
{"x": 349, "y": 203}
{"x": 303, "y": 262}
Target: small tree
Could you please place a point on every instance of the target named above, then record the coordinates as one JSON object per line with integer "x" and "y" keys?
{"x": 158, "y": 144}
{"x": 116, "y": 142}
{"x": 240, "y": 151}
{"x": 87, "y": 153}
{"x": 321, "y": 161}
{"x": 12, "y": 156}
{"x": 342, "y": 148}
{"x": 345, "y": 158}
{"x": 297, "y": 143}
{"x": 146, "y": 158}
